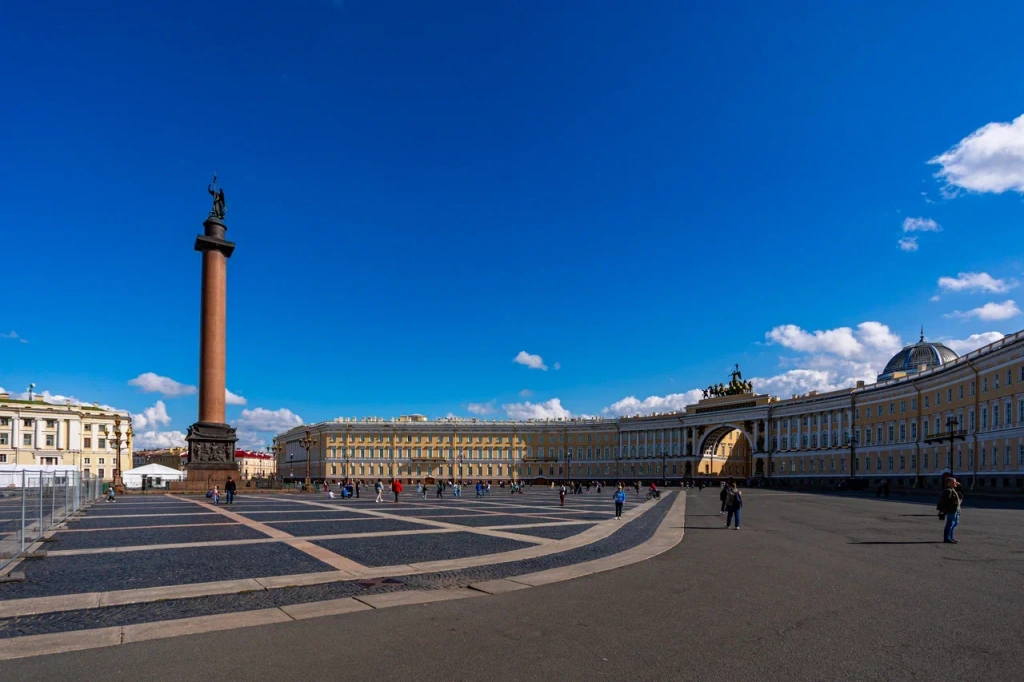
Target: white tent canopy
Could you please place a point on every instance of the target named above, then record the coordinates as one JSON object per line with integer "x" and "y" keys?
{"x": 156, "y": 475}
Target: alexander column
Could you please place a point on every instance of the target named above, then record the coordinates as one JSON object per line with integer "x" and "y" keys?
{"x": 211, "y": 441}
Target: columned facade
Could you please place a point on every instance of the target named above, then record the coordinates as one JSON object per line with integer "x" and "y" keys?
{"x": 895, "y": 430}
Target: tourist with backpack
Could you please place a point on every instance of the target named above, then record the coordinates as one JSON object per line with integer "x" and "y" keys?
{"x": 733, "y": 504}
{"x": 949, "y": 509}
{"x": 379, "y": 487}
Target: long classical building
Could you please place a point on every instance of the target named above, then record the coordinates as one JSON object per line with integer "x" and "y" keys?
{"x": 37, "y": 433}
{"x": 930, "y": 412}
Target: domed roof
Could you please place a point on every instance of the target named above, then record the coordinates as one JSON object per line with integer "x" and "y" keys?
{"x": 911, "y": 359}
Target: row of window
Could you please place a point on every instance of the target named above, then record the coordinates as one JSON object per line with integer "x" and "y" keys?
{"x": 50, "y": 441}
{"x": 28, "y": 422}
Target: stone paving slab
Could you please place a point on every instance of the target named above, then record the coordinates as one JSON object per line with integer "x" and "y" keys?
{"x": 103, "y": 572}
{"x": 346, "y": 526}
{"x": 152, "y": 536}
{"x": 298, "y": 515}
{"x": 408, "y": 549}
{"x": 554, "y": 532}
{"x": 90, "y": 522}
{"x": 626, "y": 537}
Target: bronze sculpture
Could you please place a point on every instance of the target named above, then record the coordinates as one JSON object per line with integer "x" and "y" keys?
{"x": 219, "y": 207}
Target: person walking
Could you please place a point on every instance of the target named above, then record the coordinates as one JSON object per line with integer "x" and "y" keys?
{"x": 733, "y": 503}
{"x": 110, "y": 494}
{"x": 479, "y": 488}
{"x": 396, "y": 488}
{"x": 423, "y": 491}
{"x": 620, "y": 498}
{"x": 636, "y": 484}
{"x": 440, "y": 490}
{"x": 722, "y": 495}
{"x": 561, "y": 494}
{"x": 216, "y": 495}
{"x": 949, "y": 509}
{"x": 356, "y": 488}
{"x": 229, "y": 490}
{"x": 379, "y": 487}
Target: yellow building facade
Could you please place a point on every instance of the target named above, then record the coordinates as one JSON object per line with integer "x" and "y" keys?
{"x": 37, "y": 433}
{"x": 931, "y": 412}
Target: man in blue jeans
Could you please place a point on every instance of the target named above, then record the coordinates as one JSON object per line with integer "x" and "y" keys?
{"x": 229, "y": 490}
{"x": 949, "y": 504}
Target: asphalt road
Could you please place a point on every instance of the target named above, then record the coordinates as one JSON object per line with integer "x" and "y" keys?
{"x": 813, "y": 588}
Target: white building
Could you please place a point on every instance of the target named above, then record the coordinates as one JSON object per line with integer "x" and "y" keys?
{"x": 156, "y": 475}
{"x": 85, "y": 437}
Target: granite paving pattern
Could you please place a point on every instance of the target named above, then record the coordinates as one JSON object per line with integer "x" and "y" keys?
{"x": 407, "y": 549}
{"x": 367, "y": 525}
{"x": 629, "y": 535}
{"x": 553, "y": 532}
{"x": 129, "y": 521}
{"x": 133, "y": 570}
{"x": 153, "y": 536}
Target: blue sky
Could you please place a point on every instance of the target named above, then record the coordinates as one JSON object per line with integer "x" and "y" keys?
{"x": 420, "y": 192}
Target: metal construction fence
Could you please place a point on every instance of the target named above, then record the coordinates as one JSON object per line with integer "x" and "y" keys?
{"x": 33, "y": 502}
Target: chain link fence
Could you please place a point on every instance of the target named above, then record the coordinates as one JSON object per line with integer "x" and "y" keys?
{"x": 33, "y": 502}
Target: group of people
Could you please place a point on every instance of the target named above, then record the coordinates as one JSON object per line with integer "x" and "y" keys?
{"x": 229, "y": 492}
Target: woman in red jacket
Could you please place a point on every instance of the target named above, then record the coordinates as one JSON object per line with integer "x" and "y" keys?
{"x": 396, "y": 488}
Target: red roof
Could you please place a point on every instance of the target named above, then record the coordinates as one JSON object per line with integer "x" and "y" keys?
{"x": 249, "y": 454}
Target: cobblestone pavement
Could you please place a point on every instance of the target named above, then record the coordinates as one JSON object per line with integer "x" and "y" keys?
{"x": 133, "y": 570}
{"x": 164, "y": 520}
{"x": 153, "y": 536}
{"x": 629, "y": 535}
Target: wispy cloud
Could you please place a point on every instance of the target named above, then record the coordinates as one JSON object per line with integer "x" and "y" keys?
{"x": 530, "y": 360}
{"x": 549, "y": 409}
{"x": 921, "y": 225}
{"x": 976, "y": 281}
{"x": 525, "y": 393}
{"x": 165, "y": 386}
{"x": 674, "y": 402}
{"x": 908, "y": 244}
{"x": 13, "y": 336}
{"x": 481, "y": 408}
{"x": 991, "y": 159}
{"x": 990, "y": 311}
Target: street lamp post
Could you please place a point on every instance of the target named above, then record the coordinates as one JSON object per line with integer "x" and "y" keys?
{"x": 953, "y": 433}
{"x": 307, "y": 443}
{"x": 118, "y": 483}
{"x": 852, "y": 441}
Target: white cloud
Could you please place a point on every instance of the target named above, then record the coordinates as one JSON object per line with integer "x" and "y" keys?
{"x": 525, "y": 393}
{"x": 233, "y": 398}
{"x": 150, "y": 440}
{"x": 800, "y": 381}
{"x": 835, "y": 358}
{"x": 991, "y": 159}
{"x": 13, "y": 336}
{"x": 921, "y": 225}
{"x": 167, "y": 387}
{"x": 481, "y": 408}
{"x": 531, "y": 361}
{"x": 934, "y": 298}
{"x": 990, "y": 311}
{"x": 151, "y": 417}
{"x": 976, "y": 281}
{"x": 674, "y": 402}
{"x": 558, "y": 365}
{"x": 908, "y": 244}
{"x": 973, "y": 342}
{"x": 869, "y": 339}
{"x": 549, "y": 409}
{"x": 268, "y": 421}
{"x": 255, "y": 428}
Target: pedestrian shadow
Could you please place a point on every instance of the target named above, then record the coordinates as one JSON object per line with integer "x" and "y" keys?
{"x": 899, "y": 542}
{"x": 930, "y": 516}
{"x": 704, "y": 527}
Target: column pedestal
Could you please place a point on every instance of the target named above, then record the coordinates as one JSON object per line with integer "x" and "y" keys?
{"x": 211, "y": 453}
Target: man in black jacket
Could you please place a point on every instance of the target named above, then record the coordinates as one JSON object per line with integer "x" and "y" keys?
{"x": 949, "y": 508}
{"x": 229, "y": 490}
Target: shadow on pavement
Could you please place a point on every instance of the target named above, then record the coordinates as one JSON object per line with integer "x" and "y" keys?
{"x": 908, "y": 542}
